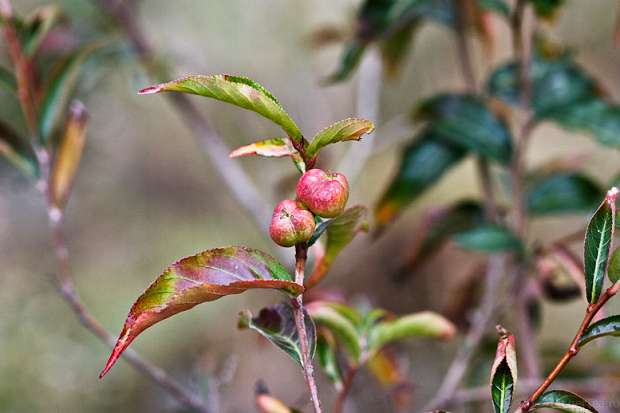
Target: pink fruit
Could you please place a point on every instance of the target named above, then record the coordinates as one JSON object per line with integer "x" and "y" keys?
{"x": 323, "y": 193}
{"x": 291, "y": 224}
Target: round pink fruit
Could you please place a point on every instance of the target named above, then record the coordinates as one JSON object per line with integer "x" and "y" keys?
{"x": 323, "y": 193}
{"x": 291, "y": 224}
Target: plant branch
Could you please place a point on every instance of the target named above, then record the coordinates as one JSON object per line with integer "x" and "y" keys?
{"x": 301, "y": 254}
{"x": 236, "y": 179}
{"x": 346, "y": 388}
{"x": 573, "y": 348}
{"x": 63, "y": 280}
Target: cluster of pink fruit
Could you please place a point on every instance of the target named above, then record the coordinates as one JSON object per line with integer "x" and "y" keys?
{"x": 319, "y": 193}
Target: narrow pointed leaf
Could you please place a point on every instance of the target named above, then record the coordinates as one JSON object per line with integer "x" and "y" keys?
{"x": 328, "y": 358}
{"x": 37, "y": 26}
{"x": 68, "y": 155}
{"x": 466, "y": 121}
{"x": 423, "y": 324}
{"x": 326, "y": 315}
{"x": 351, "y": 57}
{"x": 599, "y": 235}
{"x": 340, "y": 232}
{"x": 609, "y": 326}
{"x": 277, "y": 324}
{"x": 490, "y": 238}
{"x": 504, "y": 374}
{"x": 203, "y": 277}
{"x": 59, "y": 92}
{"x": 17, "y": 151}
{"x": 271, "y": 148}
{"x": 563, "y": 401}
{"x": 344, "y": 130}
{"x": 422, "y": 164}
{"x": 236, "y": 90}
{"x": 562, "y": 193}
{"x": 613, "y": 270}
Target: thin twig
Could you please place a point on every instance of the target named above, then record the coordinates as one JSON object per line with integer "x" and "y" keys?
{"x": 63, "y": 280}
{"x": 237, "y": 180}
{"x": 301, "y": 252}
{"x": 573, "y": 348}
{"x": 347, "y": 384}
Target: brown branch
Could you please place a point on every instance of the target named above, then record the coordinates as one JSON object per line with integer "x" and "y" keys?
{"x": 237, "y": 181}
{"x": 573, "y": 348}
{"x": 301, "y": 254}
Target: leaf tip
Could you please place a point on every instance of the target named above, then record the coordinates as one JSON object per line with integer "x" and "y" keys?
{"x": 150, "y": 90}
{"x": 121, "y": 345}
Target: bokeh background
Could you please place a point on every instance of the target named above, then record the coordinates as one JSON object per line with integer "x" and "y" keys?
{"x": 145, "y": 196}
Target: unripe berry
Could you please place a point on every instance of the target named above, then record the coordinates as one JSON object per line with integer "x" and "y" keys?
{"x": 323, "y": 193}
{"x": 291, "y": 224}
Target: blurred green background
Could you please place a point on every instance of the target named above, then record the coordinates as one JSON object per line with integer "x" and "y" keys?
{"x": 145, "y": 196}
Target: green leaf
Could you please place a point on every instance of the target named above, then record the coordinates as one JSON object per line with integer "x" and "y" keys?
{"x": 59, "y": 92}
{"x": 203, "y": 277}
{"x": 351, "y": 58}
{"x": 489, "y": 238}
{"x": 609, "y": 326}
{"x": 546, "y": 9}
{"x": 34, "y": 28}
{"x": 504, "y": 374}
{"x": 563, "y": 401}
{"x": 423, "y": 324}
{"x": 344, "y": 130}
{"x": 340, "y": 232}
{"x": 497, "y": 6}
{"x": 7, "y": 80}
{"x": 466, "y": 121}
{"x": 277, "y": 324}
{"x": 18, "y": 151}
{"x": 330, "y": 316}
{"x": 436, "y": 228}
{"x": 597, "y": 244}
{"x": 562, "y": 193}
{"x": 395, "y": 48}
{"x": 327, "y": 356}
{"x": 271, "y": 148}
{"x": 422, "y": 164}
{"x": 238, "y": 91}
{"x": 613, "y": 270}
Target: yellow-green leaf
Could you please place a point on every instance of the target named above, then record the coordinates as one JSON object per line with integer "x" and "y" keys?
{"x": 344, "y": 130}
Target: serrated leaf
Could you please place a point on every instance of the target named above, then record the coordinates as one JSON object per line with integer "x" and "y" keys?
{"x": 489, "y": 238}
{"x": 504, "y": 374}
{"x": 599, "y": 235}
{"x": 203, "y": 277}
{"x": 68, "y": 155}
{"x": 18, "y": 151}
{"x": 423, "y": 324}
{"x": 562, "y": 193}
{"x": 422, "y": 164}
{"x": 340, "y": 232}
{"x": 238, "y": 91}
{"x": 277, "y": 324}
{"x": 613, "y": 270}
{"x": 328, "y": 315}
{"x": 327, "y": 356}
{"x": 466, "y": 121}
{"x": 344, "y": 130}
{"x": 59, "y": 91}
{"x": 563, "y": 401}
{"x": 609, "y": 326}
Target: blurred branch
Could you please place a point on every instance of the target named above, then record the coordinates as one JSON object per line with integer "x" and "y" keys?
{"x": 63, "y": 280}
{"x": 368, "y": 100}
{"x": 237, "y": 181}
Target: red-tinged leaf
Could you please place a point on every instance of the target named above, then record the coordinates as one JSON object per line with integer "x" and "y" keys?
{"x": 340, "y": 233}
{"x": 271, "y": 148}
{"x": 68, "y": 156}
{"x": 344, "y": 130}
{"x": 504, "y": 373}
{"x": 203, "y": 277}
{"x": 236, "y": 90}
